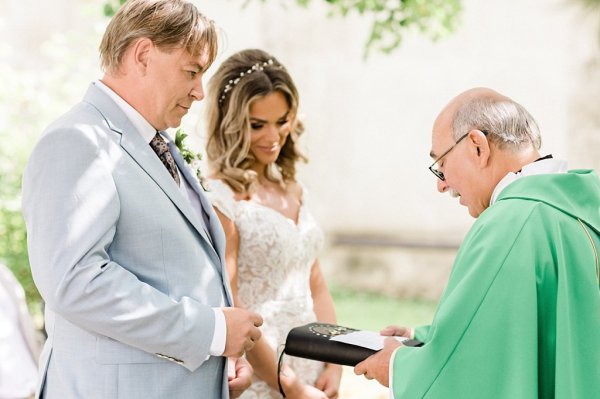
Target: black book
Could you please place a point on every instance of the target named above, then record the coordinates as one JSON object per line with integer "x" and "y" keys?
{"x": 313, "y": 341}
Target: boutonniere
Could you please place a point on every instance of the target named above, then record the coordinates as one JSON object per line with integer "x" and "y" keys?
{"x": 190, "y": 157}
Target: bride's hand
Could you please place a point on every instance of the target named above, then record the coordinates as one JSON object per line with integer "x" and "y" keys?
{"x": 329, "y": 380}
{"x": 295, "y": 389}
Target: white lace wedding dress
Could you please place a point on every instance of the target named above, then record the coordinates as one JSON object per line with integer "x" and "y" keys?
{"x": 274, "y": 263}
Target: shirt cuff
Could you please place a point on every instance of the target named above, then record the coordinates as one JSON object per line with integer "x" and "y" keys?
{"x": 217, "y": 346}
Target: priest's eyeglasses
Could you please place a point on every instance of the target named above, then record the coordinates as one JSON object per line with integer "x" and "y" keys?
{"x": 434, "y": 168}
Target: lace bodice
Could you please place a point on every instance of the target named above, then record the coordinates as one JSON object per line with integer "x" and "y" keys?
{"x": 274, "y": 264}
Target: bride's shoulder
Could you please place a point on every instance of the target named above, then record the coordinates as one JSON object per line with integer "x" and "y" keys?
{"x": 222, "y": 196}
{"x": 217, "y": 187}
{"x": 296, "y": 189}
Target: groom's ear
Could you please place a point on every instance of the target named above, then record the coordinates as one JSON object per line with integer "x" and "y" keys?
{"x": 141, "y": 53}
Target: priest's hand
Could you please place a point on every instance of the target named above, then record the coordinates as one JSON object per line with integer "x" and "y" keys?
{"x": 397, "y": 331}
{"x": 377, "y": 366}
{"x": 239, "y": 376}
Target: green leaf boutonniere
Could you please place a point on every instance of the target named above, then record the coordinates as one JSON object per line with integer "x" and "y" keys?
{"x": 191, "y": 158}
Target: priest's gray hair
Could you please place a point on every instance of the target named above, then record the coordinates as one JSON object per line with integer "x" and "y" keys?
{"x": 507, "y": 123}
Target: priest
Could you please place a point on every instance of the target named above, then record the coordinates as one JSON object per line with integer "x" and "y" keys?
{"x": 520, "y": 316}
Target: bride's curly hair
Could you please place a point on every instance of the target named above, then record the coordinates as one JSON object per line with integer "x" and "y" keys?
{"x": 241, "y": 79}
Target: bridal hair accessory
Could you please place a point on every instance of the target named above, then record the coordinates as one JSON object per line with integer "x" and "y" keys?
{"x": 259, "y": 66}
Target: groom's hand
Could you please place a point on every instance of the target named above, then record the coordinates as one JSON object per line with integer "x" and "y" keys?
{"x": 242, "y": 331}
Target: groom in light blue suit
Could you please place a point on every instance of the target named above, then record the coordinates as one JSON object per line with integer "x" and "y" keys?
{"x": 124, "y": 247}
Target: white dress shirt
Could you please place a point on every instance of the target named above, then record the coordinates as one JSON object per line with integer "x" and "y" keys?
{"x": 217, "y": 346}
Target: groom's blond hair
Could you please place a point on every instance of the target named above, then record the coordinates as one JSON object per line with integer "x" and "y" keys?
{"x": 170, "y": 24}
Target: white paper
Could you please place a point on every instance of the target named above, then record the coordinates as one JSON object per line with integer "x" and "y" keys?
{"x": 366, "y": 339}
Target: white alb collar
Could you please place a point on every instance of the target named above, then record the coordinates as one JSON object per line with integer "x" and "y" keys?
{"x": 543, "y": 166}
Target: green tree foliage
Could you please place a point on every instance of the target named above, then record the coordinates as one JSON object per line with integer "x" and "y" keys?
{"x": 14, "y": 107}
{"x": 111, "y": 7}
{"x": 591, "y": 7}
{"x": 13, "y": 239}
{"x": 29, "y": 100}
{"x": 391, "y": 19}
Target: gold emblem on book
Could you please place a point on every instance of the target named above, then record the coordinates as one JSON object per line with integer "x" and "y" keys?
{"x": 328, "y": 330}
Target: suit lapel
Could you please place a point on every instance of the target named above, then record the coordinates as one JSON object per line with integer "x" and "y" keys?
{"x": 214, "y": 225}
{"x": 148, "y": 161}
{"x": 133, "y": 143}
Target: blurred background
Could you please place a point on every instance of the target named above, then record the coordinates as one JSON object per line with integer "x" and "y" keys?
{"x": 368, "y": 111}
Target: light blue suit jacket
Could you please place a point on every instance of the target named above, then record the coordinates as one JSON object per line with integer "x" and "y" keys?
{"x": 127, "y": 272}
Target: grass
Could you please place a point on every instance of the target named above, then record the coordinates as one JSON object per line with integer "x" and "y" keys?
{"x": 369, "y": 311}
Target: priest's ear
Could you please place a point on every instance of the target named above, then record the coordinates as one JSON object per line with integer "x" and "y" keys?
{"x": 480, "y": 146}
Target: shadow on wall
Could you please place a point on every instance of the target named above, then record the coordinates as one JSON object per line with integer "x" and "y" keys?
{"x": 394, "y": 267}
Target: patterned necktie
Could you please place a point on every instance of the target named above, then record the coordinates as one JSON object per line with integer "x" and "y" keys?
{"x": 160, "y": 147}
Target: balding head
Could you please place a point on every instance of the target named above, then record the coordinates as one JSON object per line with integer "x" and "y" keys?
{"x": 508, "y": 124}
{"x": 476, "y": 93}
{"x": 495, "y": 136}
{"x": 447, "y": 113}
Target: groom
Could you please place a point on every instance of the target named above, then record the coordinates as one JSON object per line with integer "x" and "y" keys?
{"x": 124, "y": 247}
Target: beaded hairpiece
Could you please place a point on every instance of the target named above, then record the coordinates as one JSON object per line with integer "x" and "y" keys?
{"x": 259, "y": 66}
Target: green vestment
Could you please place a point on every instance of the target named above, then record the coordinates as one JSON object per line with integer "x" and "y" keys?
{"x": 520, "y": 317}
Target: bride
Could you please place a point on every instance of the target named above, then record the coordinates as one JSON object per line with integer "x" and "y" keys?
{"x": 272, "y": 239}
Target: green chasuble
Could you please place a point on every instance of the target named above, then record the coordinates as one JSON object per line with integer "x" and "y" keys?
{"x": 520, "y": 317}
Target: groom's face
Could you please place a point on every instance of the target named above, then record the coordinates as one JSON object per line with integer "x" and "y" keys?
{"x": 174, "y": 81}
